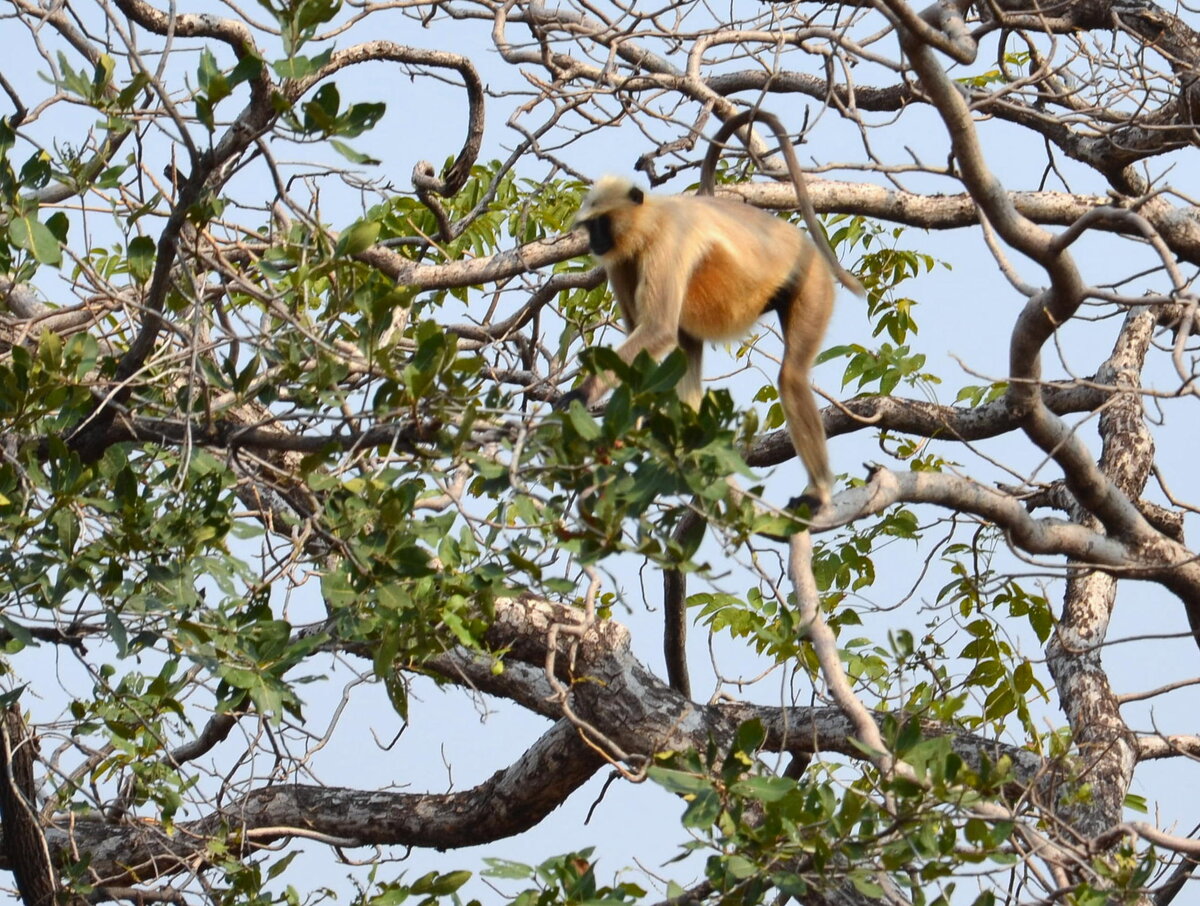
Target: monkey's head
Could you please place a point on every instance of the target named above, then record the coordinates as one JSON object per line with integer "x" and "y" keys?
{"x": 610, "y": 198}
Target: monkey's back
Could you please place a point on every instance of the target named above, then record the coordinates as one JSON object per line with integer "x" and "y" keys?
{"x": 741, "y": 258}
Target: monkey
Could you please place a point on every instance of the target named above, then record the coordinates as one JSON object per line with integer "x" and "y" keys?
{"x": 690, "y": 268}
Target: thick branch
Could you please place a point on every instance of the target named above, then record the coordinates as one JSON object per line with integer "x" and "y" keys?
{"x": 190, "y": 25}
{"x": 511, "y": 801}
{"x": 925, "y": 419}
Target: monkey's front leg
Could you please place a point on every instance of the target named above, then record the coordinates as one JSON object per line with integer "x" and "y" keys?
{"x": 646, "y": 336}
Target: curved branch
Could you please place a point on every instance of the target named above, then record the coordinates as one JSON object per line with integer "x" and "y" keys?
{"x": 191, "y": 25}
{"x": 916, "y": 417}
{"x": 423, "y": 173}
{"x": 1178, "y": 226}
{"x": 1166, "y": 562}
{"x": 1042, "y": 315}
{"x": 814, "y": 626}
{"x": 511, "y": 801}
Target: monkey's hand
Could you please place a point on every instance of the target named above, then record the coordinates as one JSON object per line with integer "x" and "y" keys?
{"x": 563, "y": 403}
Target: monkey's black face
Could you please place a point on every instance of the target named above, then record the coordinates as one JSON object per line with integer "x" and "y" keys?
{"x": 600, "y": 237}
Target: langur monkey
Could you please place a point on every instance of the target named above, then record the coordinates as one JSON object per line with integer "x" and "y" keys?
{"x": 687, "y": 268}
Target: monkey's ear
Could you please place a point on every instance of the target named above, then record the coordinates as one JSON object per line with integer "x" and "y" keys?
{"x": 636, "y": 195}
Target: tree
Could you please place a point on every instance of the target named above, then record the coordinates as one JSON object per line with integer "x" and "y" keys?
{"x": 274, "y": 425}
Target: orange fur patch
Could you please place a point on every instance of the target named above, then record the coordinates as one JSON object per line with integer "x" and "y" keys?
{"x": 719, "y": 303}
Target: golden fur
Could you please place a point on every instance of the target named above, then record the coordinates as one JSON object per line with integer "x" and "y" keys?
{"x": 685, "y": 269}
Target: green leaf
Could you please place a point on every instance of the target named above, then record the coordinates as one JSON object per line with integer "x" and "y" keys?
{"x": 866, "y": 885}
{"x": 16, "y": 630}
{"x": 29, "y": 233}
{"x": 355, "y": 157}
{"x": 249, "y": 68}
{"x": 311, "y": 13}
{"x": 58, "y": 224}
{"x": 36, "y": 171}
{"x": 740, "y": 867}
{"x": 764, "y": 789}
{"x": 299, "y": 67}
{"x": 681, "y": 782}
{"x": 583, "y": 423}
{"x": 212, "y": 81}
{"x": 505, "y": 869}
{"x": 358, "y": 238}
{"x": 129, "y": 93}
{"x": 668, "y": 373}
{"x": 703, "y": 811}
{"x": 397, "y": 690}
{"x": 102, "y": 76}
{"x": 750, "y": 736}
{"x": 142, "y": 252}
{"x": 320, "y": 113}
{"x": 441, "y": 885}
{"x": 278, "y": 868}
{"x": 359, "y": 118}
{"x": 116, "y": 632}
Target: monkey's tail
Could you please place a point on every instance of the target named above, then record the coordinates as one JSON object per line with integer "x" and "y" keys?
{"x": 708, "y": 183}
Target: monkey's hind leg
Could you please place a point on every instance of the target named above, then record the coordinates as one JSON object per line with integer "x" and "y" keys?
{"x": 807, "y": 432}
{"x": 804, "y": 319}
